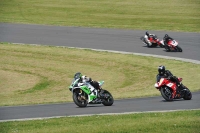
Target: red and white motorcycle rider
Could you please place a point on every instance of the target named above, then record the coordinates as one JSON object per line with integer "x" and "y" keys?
{"x": 162, "y": 73}
{"x": 147, "y": 36}
{"x": 166, "y": 39}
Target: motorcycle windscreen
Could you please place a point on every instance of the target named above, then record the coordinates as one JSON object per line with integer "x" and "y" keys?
{"x": 101, "y": 83}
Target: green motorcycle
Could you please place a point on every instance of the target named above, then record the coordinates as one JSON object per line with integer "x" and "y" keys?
{"x": 84, "y": 94}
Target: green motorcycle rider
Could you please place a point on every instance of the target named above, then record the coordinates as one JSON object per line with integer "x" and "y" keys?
{"x": 82, "y": 79}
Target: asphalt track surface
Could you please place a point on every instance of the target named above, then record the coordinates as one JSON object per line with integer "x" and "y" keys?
{"x": 105, "y": 39}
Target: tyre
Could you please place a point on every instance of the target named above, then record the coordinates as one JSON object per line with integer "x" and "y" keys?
{"x": 179, "y": 49}
{"x": 154, "y": 45}
{"x": 161, "y": 46}
{"x": 78, "y": 100}
{"x": 187, "y": 95}
{"x": 166, "y": 93}
{"x": 108, "y": 99}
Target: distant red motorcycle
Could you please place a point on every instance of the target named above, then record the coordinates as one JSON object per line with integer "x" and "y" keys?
{"x": 173, "y": 46}
{"x": 169, "y": 91}
{"x": 152, "y": 41}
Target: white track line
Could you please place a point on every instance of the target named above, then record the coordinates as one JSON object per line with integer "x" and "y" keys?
{"x": 43, "y": 118}
{"x": 122, "y": 52}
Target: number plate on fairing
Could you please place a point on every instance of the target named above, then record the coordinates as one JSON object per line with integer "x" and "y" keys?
{"x": 170, "y": 85}
{"x": 174, "y": 43}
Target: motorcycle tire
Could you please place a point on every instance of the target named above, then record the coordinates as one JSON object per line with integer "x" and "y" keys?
{"x": 187, "y": 95}
{"x": 179, "y": 49}
{"x": 161, "y": 46}
{"x": 154, "y": 45}
{"x": 166, "y": 93}
{"x": 77, "y": 101}
{"x": 108, "y": 100}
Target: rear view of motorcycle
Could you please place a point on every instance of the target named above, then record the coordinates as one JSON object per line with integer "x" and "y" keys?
{"x": 169, "y": 90}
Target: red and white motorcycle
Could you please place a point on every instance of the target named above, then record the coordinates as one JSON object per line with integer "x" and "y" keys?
{"x": 152, "y": 41}
{"x": 172, "y": 46}
{"x": 169, "y": 91}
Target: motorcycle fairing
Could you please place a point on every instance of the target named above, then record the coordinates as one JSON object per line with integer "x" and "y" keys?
{"x": 101, "y": 83}
{"x": 173, "y": 42}
{"x": 168, "y": 83}
{"x": 172, "y": 86}
{"x": 91, "y": 94}
{"x": 85, "y": 89}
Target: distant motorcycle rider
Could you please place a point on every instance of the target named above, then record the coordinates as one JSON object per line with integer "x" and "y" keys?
{"x": 162, "y": 73}
{"x": 147, "y": 37}
{"x": 166, "y": 39}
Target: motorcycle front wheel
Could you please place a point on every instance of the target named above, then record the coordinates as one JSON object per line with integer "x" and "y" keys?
{"x": 179, "y": 49}
{"x": 166, "y": 93}
{"x": 154, "y": 45}
{"x": 78, "y": 100}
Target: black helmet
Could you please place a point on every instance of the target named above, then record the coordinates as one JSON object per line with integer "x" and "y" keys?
{"x": 161, "y": 70}
{"x": 77, "y": 75}
{"x": 147, "y": 33}
{"x": 166, "y": 35}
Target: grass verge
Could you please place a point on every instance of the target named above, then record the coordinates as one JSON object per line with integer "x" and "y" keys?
{"x": 171, "y": 122}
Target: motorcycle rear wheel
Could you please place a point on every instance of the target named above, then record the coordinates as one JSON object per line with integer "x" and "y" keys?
{"x": 109, "y": 100}
{"x": 187, "y": 95}
{"x": 80, "y": 103}
{"x": 166, "y": 93}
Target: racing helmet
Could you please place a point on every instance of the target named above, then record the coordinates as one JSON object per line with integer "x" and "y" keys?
{"x": 161, "y": 70}
{"x": 166, "y": 35}
{"x": 77, "y": 75}
{"x": 85, "y": 78}
{"x": 147, "y": 33}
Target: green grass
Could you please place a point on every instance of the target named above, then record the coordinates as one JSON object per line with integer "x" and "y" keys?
{"x": 174, "y": 15}
{"x": 42, "y": 74}
{"x": 172, "y": 122}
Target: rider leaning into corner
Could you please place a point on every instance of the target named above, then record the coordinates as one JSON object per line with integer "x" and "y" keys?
{"x": 162, "y": 73}
{"x": 83, "y": 79}
{"x": 166, "y": 39}
{"x": 147, "y": 36}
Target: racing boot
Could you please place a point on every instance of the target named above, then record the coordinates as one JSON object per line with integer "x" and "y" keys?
{"x": 97, "y": 100}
